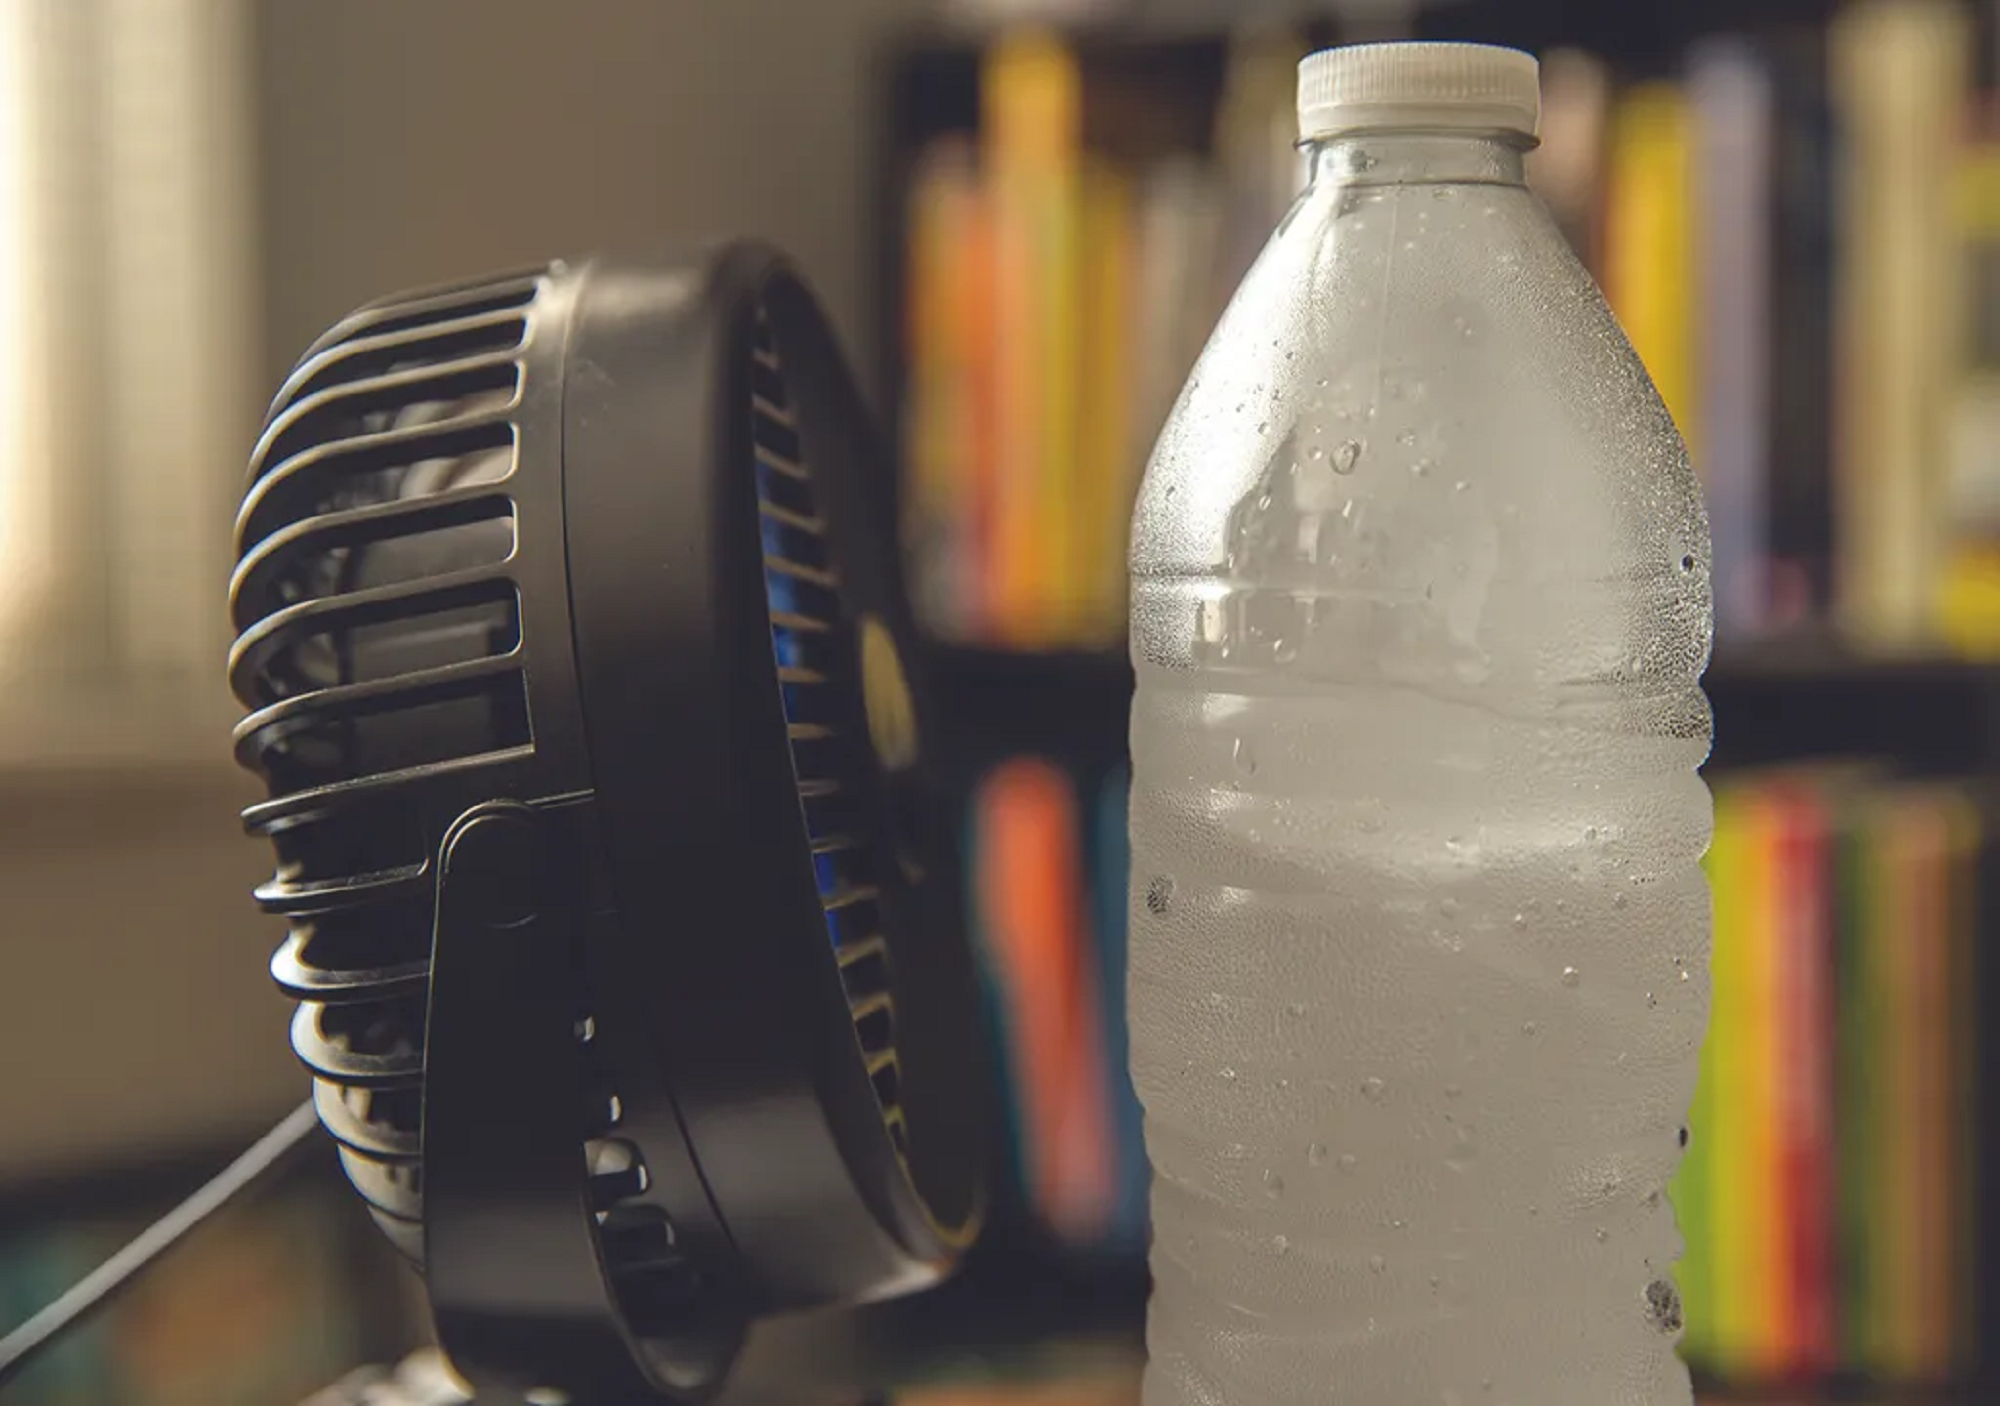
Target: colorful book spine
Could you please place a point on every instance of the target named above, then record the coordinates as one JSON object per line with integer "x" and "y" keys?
{"x": 1033, "y": 925}
{"x": 1103, "y": 482}
{"x": 1729, "y": 96}
{"x": 940, "y": 503}
{"x": 1648, "y": 271}
{"x": 1901, "y": 79}
{"x": 1730, "y": 1230}
{"x": 1032, "y": 126}
{"x": 1803, "y": 1086}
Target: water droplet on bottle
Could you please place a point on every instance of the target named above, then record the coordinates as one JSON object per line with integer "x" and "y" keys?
{"x": 1460, "y": 486}
{"x": 1520, "y": 921}
{"x": 1295, "y": 1009}
{"x": 1663, "y": 1306}
{"x": 1530, "y": 1029}
{"x": 1263, "y": 426}
{"x": 1281, "y": 1244}
{"x": 1347, "y": 1163}
{"x": 1684, "y": 1137}
{"x": 1274, "y": 1184}
{"x": 1652, "y": 1001}
{"x": 1377, "y": 1263}
{"x": 1618, "y": 900}
{"x": 1407, "y": 438}
{"x": 1602, "y": 1234}
{"x": 1420, "y": 469}
{"x": 1315, "y": 1154}
{"x": 1316, "y": 453}
{"x": 1283, "y": 651}
{"x": 1687, "y": 563}
{"x": 1373, "y": 1089}
{"x": 1346, "y": 455}
{"x": 1571, "y": 976}
{"x": 1159, "y": 895}
{"x": 1590, "y": 832}
{"x": 1226, "y": 1074}
{"x": 1263, "y": 502}
{"x": 1244, "y": 758}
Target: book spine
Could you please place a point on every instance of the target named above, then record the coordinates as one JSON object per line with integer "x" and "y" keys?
{"x": 1901, "y": 86}
{"x": 1648, "y": 253}
{"x": 1729, "y": 93}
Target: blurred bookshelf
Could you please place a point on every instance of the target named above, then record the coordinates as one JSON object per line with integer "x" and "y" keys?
{"x": 1794, "y": 206}
{"x": 275, "y": 1298}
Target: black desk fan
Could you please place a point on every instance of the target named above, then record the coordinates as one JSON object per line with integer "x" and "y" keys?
{"x": 574, "y": 639}
{"x": 578, "y": 667}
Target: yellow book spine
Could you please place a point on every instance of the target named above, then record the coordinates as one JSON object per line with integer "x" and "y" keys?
{"x": 1104, "y": 430}
{"x": 1649, "y": 272}
{"x": 1732, "y": 1235}
{"x": 1900, "y": 77}
{"x": 1032, "y": 94}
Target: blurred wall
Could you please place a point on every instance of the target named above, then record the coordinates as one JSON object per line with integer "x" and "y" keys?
{"x": 410, "y": 143}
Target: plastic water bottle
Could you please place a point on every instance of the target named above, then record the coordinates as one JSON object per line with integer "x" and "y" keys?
{"x": 1419, "y": 955}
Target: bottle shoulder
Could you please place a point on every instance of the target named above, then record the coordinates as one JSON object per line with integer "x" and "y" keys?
{"x": 1419, "y": 406}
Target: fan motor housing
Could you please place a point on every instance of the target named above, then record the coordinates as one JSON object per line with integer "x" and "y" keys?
{"x": 583, "y": 575}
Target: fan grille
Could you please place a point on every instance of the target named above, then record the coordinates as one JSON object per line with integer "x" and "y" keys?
{"x": 381, "y": 653}
{"x": 802, "y": 590}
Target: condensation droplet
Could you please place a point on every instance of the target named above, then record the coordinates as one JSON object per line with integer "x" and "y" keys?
{"x": 1263, "y": 426}
{"x": 1652, "y": 1001}
{"x": 1377, "y": 1263}
{"x": 1281, "y": 1244}
{"x": 1618, "y": 900}
{"x": 1530, "y": 1029}
{"x": 1571, "y": 976}
{"x": 1227, "y": 1074}
{"x": 1421, "y": 469}
{"x": 1346, "y": 455}
{"x": 1460, "y": 486}
{"x": 1602, "y": 1234}
{"x": 1373, "y": 1089}
{"x": 1244, "y": 757}
{"x": 1159, "y": 895}
{"x": 1263, "y": 502}
{"x": 1347, "y": 1163}
{"x": 1520, "y": 921}
{"x": 1407, "y": 438}
{"x": 1274, "y": 1184}
{"x": 1316, "y": 1154}
{"x": 1663, "y": 1306}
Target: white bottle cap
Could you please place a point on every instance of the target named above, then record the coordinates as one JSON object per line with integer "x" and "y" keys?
{"x": 1459, "y": 86}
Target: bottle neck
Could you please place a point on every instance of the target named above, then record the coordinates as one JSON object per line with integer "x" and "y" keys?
{"x": 1387, "y": 157}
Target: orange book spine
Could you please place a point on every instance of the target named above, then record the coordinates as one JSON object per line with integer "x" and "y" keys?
{"x": 1032, "y": 895}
